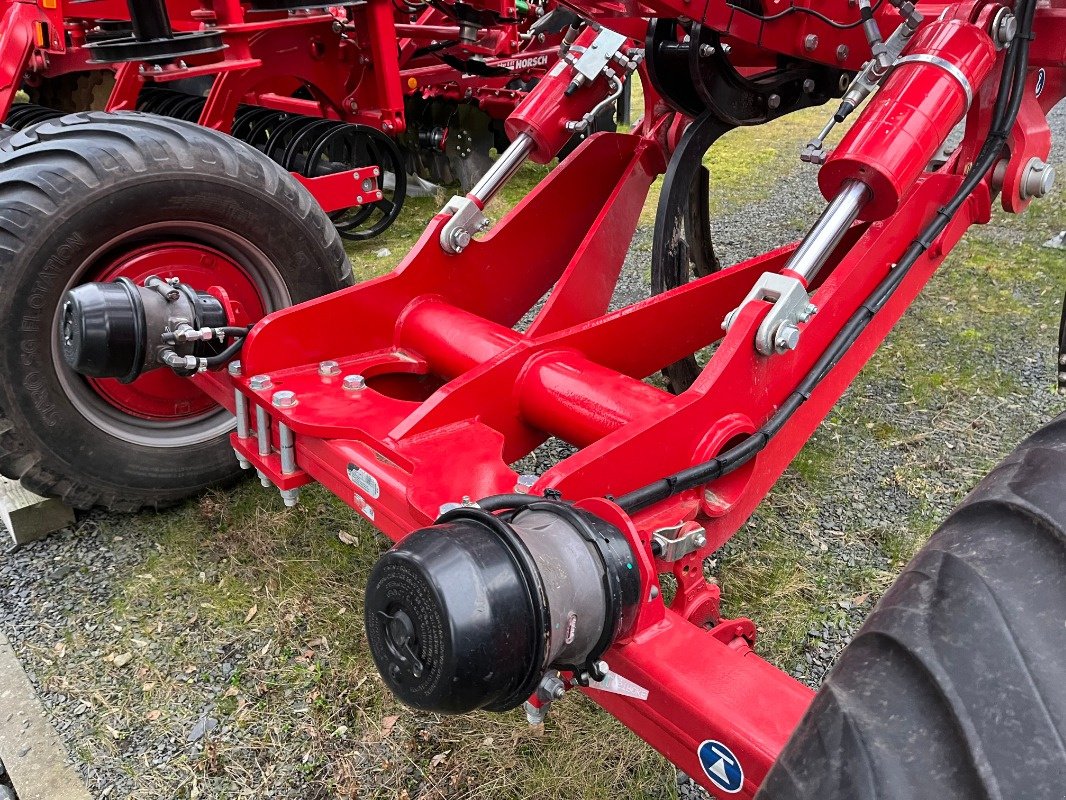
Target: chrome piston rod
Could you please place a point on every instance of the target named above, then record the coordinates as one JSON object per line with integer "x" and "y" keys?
{"x": 826, "y": 233}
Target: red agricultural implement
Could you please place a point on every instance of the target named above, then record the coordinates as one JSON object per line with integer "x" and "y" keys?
{"x": 329, "y": 92}
{"x": 139, "y": 256}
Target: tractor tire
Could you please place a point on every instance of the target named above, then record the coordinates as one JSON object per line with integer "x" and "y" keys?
{"x": 93, "y": 196}
{"x": 954, "y": 688}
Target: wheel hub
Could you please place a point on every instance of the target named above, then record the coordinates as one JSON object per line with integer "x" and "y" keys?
{"x": 162, "y": 395}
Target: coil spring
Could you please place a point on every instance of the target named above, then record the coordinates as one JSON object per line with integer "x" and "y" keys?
{"x": 308, "y": 146}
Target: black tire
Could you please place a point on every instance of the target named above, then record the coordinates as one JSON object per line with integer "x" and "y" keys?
{"x": 70, "y": 188}
{"x": 955, "y": 685}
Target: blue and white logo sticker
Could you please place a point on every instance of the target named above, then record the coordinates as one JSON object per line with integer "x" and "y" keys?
{"x": 721, "y": 766}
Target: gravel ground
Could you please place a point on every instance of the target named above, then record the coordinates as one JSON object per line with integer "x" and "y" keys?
{"x": 897, "y": 454}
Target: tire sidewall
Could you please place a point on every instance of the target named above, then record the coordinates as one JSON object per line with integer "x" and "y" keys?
{"x": 37, "y": 275}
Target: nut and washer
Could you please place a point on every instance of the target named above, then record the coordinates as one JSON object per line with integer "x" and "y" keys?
{"x": 327, "y": 369}
{"x": 354, "y": 383}
{"x": 460, "y": 239}
{"x": 1004, "y": 28}
{"x": 260, "y": 382}
{"x": 234, "y": 369}
{"x": 787, "y": 337}
{"x": 284, "y": 399}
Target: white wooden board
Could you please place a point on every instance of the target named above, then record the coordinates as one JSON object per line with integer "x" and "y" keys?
{"x": 27, "y": 516}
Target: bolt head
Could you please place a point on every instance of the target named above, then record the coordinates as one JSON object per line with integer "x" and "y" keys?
{"x": 773, "y": 101}
{"x": 284, "y": 399}
{"x": 809, "y": 86}
{"x": 234, "y": 368}
{"x": 1006, "y": 28}
{"x": 810, "y": 42}
{"x": 700, "y": 539}
{"x": 328, "y": 369}
{"x": 353, "y": 383}
{"x": 368, "y": 184}
{"x": 1037, "y": 180}
{"x": 706, "y": 50}
{"x": 843, "y": 52}
{"x": 653, "y": 593}
{"x": 460, "y": 239}
{"x": 260, "y": 382}
{"x": 787, "y": 337}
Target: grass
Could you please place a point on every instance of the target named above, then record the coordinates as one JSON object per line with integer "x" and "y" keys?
{"x": 235, "y": 578}
{"x": 303, "y": 651}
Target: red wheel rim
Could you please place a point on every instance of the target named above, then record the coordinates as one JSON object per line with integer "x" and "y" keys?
{"x": 160, "y": 394}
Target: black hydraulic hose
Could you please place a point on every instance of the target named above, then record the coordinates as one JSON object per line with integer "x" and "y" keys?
{"x": 1005, "y": 112}
{"x": 234, "y": 330}
{"x": 223, "y": 357}
{"x": 507, "y": 502}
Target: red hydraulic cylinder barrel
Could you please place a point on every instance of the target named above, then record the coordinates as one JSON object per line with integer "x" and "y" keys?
{"x": 544, "y": 112}
{"x": 909, "y": 118}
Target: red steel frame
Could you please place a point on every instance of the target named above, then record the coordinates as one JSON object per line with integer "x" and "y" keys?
{"x": 454, "y": 394}
{"x": 358, "y": 77}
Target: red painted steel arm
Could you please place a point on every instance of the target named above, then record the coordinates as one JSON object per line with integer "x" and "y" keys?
{"x": 452, "y": 395}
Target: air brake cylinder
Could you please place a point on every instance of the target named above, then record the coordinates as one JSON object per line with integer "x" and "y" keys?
{"x": 472, "y": 612}
{"x": 120, "y": 329}
{"x": 908, "y": 120}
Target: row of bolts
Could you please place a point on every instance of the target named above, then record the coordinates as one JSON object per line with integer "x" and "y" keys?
{"x": 286, "y": 438}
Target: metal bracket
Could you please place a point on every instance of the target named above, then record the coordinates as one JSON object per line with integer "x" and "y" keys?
{"x": 615, "y": 684}
{"x": 792, "y": 305}
{"x": 466, "y": 220}
{"x": 599, "y": 54}
{"x": 676, "y": 542}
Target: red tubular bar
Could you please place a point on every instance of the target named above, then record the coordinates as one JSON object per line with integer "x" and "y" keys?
{"x": 580, "y": 401}
{"x": 559, "y": 392}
